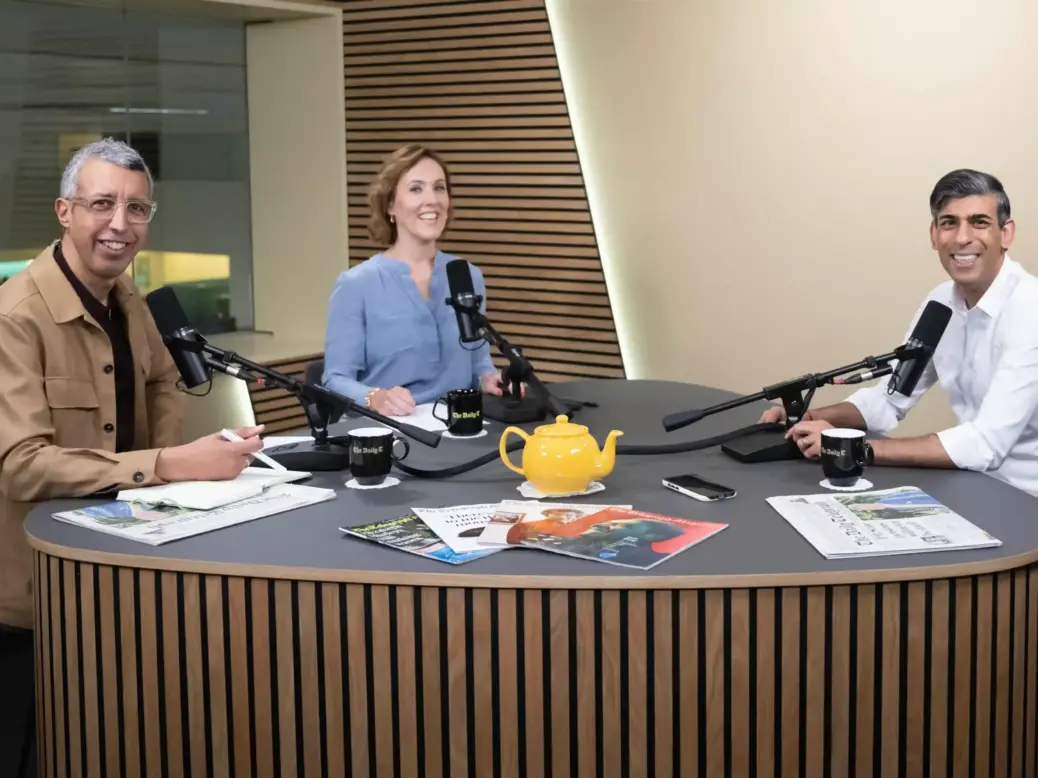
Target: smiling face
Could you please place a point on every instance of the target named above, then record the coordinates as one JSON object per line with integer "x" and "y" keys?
{"x": 971, "y": 244}
{"x": 421, "y": 203}
{"x": 104, "y": 237}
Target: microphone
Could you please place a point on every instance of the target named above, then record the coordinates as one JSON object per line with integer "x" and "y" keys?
{"x": 868, "y": 375}
{"x": 681, "y": 419}
{"x": 463, "y": 299}
{"x": 177, "y": 333}
{"x": 925, "y": 337}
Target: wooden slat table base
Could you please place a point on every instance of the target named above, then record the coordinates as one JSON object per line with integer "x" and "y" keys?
{"x": 140, "y": 670}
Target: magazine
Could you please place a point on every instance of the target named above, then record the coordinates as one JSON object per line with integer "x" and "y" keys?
{"x": 525, "y": 512}
{"x": 618, "y": 536}
{"x": 206, "y": 495}
{"x": 458, "y": 526}
{"x": 158, "y": 524}
{"x": 904, "y": 520}
{"x": 410, "y": 534}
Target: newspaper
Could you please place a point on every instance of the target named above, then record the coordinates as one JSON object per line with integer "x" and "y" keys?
{"x": 158, "y": 524}
{"x": 410, "y": 534}
{"x": 904, "y": 520}
{"x": 459, "y": 526}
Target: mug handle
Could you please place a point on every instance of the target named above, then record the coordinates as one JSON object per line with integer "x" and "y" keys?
{"x": 435, "y": 406}
{"x": 860, "y": 459}
{"x": 504, "y": 453}
{"x": 407, "y": 448}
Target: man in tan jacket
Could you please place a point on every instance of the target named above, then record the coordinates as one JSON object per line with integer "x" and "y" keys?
{"x": 88, "y": 393}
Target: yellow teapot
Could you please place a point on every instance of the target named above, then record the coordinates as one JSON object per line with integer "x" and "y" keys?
{"x": 562, "y": 457}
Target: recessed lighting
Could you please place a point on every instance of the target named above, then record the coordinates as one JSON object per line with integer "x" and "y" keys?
{"x": 163, "y": 111}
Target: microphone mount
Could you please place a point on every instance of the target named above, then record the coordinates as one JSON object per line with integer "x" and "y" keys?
{"x": 796, "y": 395}
{"x": 512, "y": 407}
{"x": 318, "y": 404}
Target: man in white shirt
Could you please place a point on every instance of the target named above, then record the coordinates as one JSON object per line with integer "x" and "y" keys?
{"x": 987, "y": 360}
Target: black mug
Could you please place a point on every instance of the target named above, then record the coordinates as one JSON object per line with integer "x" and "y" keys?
{"x": 371, "y": 454}
{"x": 464, "y": 411}
{"x": 843, "y": 456}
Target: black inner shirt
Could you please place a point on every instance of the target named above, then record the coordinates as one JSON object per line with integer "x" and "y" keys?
{"x": 113, "y": 322}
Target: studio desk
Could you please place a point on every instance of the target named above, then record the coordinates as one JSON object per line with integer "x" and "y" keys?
{"x": 281, "y": 647}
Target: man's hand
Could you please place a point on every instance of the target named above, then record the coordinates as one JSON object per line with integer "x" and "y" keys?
{"x": 776, "y": 414}
{"x": 393, "y": 402}
{"x": 808, "y": 436}
{"x": 212, "y": 458}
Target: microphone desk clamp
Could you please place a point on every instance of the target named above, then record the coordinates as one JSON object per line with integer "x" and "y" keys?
{"x": 326, "y": 453}
{"x": 796, "y": 395}
{"x": 512, "y": 407}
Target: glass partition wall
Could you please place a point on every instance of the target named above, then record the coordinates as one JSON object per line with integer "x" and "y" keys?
{"x": 172, "y": 86}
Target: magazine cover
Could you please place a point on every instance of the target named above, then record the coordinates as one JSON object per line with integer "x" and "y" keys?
{"x": 512, "y": 512}
{"x": 459, "y": 526}
{"x": 410, "y": 534}
{"x": 902, "y": 520}
{"x": 618, "y": 536}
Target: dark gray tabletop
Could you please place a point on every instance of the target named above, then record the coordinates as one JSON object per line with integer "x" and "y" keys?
{"x": 757, "y": 542}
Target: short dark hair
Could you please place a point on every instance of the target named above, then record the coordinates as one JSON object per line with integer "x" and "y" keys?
{"x": 966, "y": 183}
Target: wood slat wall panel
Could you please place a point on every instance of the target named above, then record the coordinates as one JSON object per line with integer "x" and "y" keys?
{"x": 478, "y": 81}
{"x": 224, "y": 675}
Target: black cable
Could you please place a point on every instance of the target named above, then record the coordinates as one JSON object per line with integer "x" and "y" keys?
{"x": 621, "y": 450}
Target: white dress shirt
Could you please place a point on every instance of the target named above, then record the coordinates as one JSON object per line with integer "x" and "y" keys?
{"x": 987, "y": 362}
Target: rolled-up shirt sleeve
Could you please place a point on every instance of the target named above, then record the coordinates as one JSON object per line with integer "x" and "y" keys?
{"x": 882, "y": 410}
{"x": 1010, "y": 403}
{"x": 482, "y": 364}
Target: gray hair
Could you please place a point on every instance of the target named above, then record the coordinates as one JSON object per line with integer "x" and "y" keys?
{"x": 966, "y": 183}
{"x": 108, "y": 150}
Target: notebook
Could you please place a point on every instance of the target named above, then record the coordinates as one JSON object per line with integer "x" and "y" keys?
{"x": 207, "y": 495}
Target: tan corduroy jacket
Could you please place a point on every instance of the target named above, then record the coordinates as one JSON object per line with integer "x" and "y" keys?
{"x": 57, "y": 393}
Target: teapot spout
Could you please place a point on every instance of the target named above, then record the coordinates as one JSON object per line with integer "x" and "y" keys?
{"x": 606, "y": 459}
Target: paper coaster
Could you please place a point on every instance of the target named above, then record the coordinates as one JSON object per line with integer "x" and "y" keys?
{"x": 861, "y": 486}
{"x": 526, "y": 489}
{"x": 480, "y": 434}
{"x": 390, "y": 481}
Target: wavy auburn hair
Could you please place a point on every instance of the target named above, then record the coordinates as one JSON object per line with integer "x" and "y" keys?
{"x": 382, "y": 190}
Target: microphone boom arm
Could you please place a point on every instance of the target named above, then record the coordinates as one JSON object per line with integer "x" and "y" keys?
{"x": 235, "y": 364}
{"x": 792, "y": 392}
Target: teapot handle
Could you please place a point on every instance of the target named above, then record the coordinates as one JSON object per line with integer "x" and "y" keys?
{"x": 504, "y": 453}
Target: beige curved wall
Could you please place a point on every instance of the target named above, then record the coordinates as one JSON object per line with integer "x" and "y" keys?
{"x": 759, "y": 172}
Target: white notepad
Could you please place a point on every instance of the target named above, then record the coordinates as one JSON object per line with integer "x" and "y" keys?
{"x": 207, "y": 495}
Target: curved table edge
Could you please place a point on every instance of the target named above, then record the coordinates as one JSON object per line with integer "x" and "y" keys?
{"x": 505, "y": 581}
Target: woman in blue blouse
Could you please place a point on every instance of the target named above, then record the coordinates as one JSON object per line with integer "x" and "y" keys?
{"x": 392, "y": 342}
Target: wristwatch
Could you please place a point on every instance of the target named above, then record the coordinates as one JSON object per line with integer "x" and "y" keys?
{"x": 870, "y": 455}
{"x": 368, "y": 396}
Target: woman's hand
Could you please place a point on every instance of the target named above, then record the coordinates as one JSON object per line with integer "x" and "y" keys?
{"x": 393, "y": 402}
{"x": 494, "y": 383}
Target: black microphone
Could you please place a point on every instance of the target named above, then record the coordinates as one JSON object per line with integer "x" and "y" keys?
{"x": 926, "y": 335}
{"x": 463, "y": 299}
{"x": 681, "y": 419}
{"x": 177, "y": 333}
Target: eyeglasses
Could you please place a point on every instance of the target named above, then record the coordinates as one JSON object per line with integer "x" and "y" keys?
{"x": 137, "y": 211}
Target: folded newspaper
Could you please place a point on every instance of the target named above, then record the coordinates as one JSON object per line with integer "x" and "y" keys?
{"x": 158, "y": 524}
{"x": 905, "y": 520}
{"x": 206, "y": 495}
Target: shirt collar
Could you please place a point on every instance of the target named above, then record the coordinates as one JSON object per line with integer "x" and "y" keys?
{"x": 61, "y": 297}
{"x": 997, "y": 295}
{"x": 400, "y": 268}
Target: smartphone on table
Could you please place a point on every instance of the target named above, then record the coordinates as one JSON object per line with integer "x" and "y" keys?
{"x": 698, "y": 488}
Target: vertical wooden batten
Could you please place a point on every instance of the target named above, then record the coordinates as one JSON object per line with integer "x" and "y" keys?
{"x": 479, "y": 82}
{"x": 213, "y": 674}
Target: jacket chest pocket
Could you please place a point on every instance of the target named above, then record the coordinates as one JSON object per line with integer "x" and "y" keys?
{"x": 74, "y": 411}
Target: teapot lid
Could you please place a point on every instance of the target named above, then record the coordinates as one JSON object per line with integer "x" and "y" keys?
{"x": 562, "y": 428}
